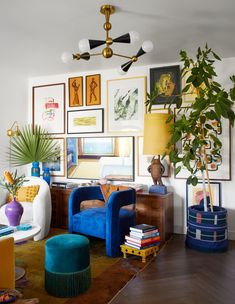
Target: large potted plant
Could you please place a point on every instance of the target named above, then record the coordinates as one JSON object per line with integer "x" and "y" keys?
{"x": 33, "y": 145}
{"x": 195, "y": 126}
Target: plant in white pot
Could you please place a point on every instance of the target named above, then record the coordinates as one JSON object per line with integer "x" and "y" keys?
{"x": 194, "y": 127}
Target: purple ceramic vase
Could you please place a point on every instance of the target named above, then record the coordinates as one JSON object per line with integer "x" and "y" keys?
{"x": 14, "y": 211}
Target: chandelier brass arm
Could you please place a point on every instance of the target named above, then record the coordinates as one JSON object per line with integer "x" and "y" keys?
{"x": 85, "y": 45}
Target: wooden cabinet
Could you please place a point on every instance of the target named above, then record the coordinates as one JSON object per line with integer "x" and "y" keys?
{"x": 157, "y": 210}
{"x": 153, "y": 209}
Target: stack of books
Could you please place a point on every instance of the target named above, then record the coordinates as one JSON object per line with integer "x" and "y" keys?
{"x": 4, "y": 230}
{"x": 143, "y": 236}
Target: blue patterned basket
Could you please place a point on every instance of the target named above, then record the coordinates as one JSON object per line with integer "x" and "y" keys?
{"x": 207, "y": 231}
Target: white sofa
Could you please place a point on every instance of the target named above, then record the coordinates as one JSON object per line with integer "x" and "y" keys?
{"x": 37, "y": 212}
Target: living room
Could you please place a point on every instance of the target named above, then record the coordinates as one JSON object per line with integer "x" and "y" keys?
{"x": 35, "y": 34}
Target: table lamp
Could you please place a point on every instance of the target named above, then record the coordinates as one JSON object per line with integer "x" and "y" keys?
{"x": 156, "y": 137}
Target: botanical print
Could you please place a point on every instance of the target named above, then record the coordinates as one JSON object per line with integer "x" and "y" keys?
{"x": 75, "y": 92}
{"x": 126, "y": 104}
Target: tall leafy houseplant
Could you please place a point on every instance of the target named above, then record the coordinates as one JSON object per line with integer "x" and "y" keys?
{"x": 34, "y": 144}
{"x": 212, "y": 104}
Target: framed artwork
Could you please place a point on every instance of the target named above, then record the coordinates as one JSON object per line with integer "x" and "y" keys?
{"x": 85, "y": 121}
{"x": 125, "y": 104}
{"x": 75, "y": 91}
{"x": 49, "y": 107}
{"x": 144, "y": 161}
{"x": 57, "y": 166}
{"x": 219, "y": 166}
{"x": 168, "y": 82}
{"x": 111, "y": 157}
{"x": 93, "y": 94}
{"x": 194, "y": 194}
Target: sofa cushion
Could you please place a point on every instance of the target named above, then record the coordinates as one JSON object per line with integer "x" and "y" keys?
{"x": 25, "y": 194}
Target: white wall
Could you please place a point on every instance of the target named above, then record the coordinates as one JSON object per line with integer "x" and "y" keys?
{"x": 224, "y": 69}
{"x": 13, "y": 105}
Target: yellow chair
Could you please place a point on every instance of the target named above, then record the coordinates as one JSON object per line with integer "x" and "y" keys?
{"x": 7, "y": 263}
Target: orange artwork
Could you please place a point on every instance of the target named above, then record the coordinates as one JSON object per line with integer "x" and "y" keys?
{"x": 93, "y": 90}
{"x": 75, "y": 92}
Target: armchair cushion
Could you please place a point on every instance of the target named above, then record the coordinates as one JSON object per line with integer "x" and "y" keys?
{"x": 26, "y": 194}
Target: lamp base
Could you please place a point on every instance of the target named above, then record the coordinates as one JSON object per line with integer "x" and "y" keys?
{"x": 158, "y": 189}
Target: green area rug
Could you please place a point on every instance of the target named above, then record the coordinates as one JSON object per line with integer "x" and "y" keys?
{"x": 109, "y": 275}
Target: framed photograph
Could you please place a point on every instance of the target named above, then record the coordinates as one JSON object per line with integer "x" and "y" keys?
{"x": 49, "y": 107}
{"x": 110, "y": 157}
{"x": 85, "y": 121}
{"x": 125, "y": 104}
{"x": 57, "y": 166}
{"x": 144, "y": 161}
{"x": 168, "y": 82}
{"x": 194, "y": 194}
{"x": 93, "y": 93}
{"x": 219, "y": 166}
{"x": 76, "y": 91}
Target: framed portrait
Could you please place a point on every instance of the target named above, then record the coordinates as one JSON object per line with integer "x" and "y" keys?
{"x": 167, "y": 81}
{"x": 194, "y": 194}
{"x": 76, "y": 91}
{"x": 49, "y": 107}
{"x": 93, "y": 91}
{"x": 85, "y": 121}
{"x": 144, "y": 161}
{"x": 125, "y": 104}
{"x": 219, "y": 166}
{"x": 108, "y": 157}
{"x": 57, "y": 166}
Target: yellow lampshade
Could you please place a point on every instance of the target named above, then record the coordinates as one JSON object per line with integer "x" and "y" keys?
{"x": 156, "y": 134}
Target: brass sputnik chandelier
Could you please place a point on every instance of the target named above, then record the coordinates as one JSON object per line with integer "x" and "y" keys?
{"x": 85, "y": 45}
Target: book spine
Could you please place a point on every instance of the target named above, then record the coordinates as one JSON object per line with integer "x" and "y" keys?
{"x": 142, "y": 243}
{"x": 139, "y": 236}
{"x": 142, "y": 230}
{"x": 138, "y": 233}
{"x": 141, "y": 247}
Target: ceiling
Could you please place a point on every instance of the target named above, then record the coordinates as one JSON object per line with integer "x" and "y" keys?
{"x": 35, "y": 33}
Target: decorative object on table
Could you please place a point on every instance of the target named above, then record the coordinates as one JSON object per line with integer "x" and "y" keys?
{"x": 144, "y": 161}
{"x": 33, "y": 145}
{"x": 197, "y": 129}
{"x": 85, "y": 45}
{"x": 14, "y": 210}
{"x": 125, "y": 104}
{"x": 111, "y": 158}
{"x": 85, "y": 121}
{"x": 46, "y": 175}
{"x": 156, "y": 138}
{"x": 76, "y": 91}
{"x": 93, "y": 94}
{"x": 49, "y": 107}
{"x": 166, "y": 80}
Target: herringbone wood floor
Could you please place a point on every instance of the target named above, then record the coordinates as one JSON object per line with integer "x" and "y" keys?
{"x": 183, "y": 276}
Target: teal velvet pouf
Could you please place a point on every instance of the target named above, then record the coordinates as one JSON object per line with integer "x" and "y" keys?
{"x": 67, "y": 265}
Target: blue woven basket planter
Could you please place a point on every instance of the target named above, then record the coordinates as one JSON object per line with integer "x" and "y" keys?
{"x": 67, "y": 265}
{"x": 207, "y": 231}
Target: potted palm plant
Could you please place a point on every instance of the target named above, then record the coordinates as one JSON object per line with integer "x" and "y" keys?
{"x": 194, "y": 127}
{"x": 33, "y": 145}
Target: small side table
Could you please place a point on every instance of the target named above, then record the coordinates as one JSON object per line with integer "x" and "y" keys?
{"x": 139, "y": 252}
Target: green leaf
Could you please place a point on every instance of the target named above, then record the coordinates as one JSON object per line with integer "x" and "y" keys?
{"x": 194, "y": 181}
{"x": 216, "y": 56}
{"x": 177, "y": 170}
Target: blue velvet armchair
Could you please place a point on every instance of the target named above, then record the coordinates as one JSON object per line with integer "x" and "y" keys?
{"x": 111, "y": 222}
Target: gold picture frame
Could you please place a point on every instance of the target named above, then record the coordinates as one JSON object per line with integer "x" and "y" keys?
{"x": 76, "y": 91}
{"x": 93, "y": 90}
